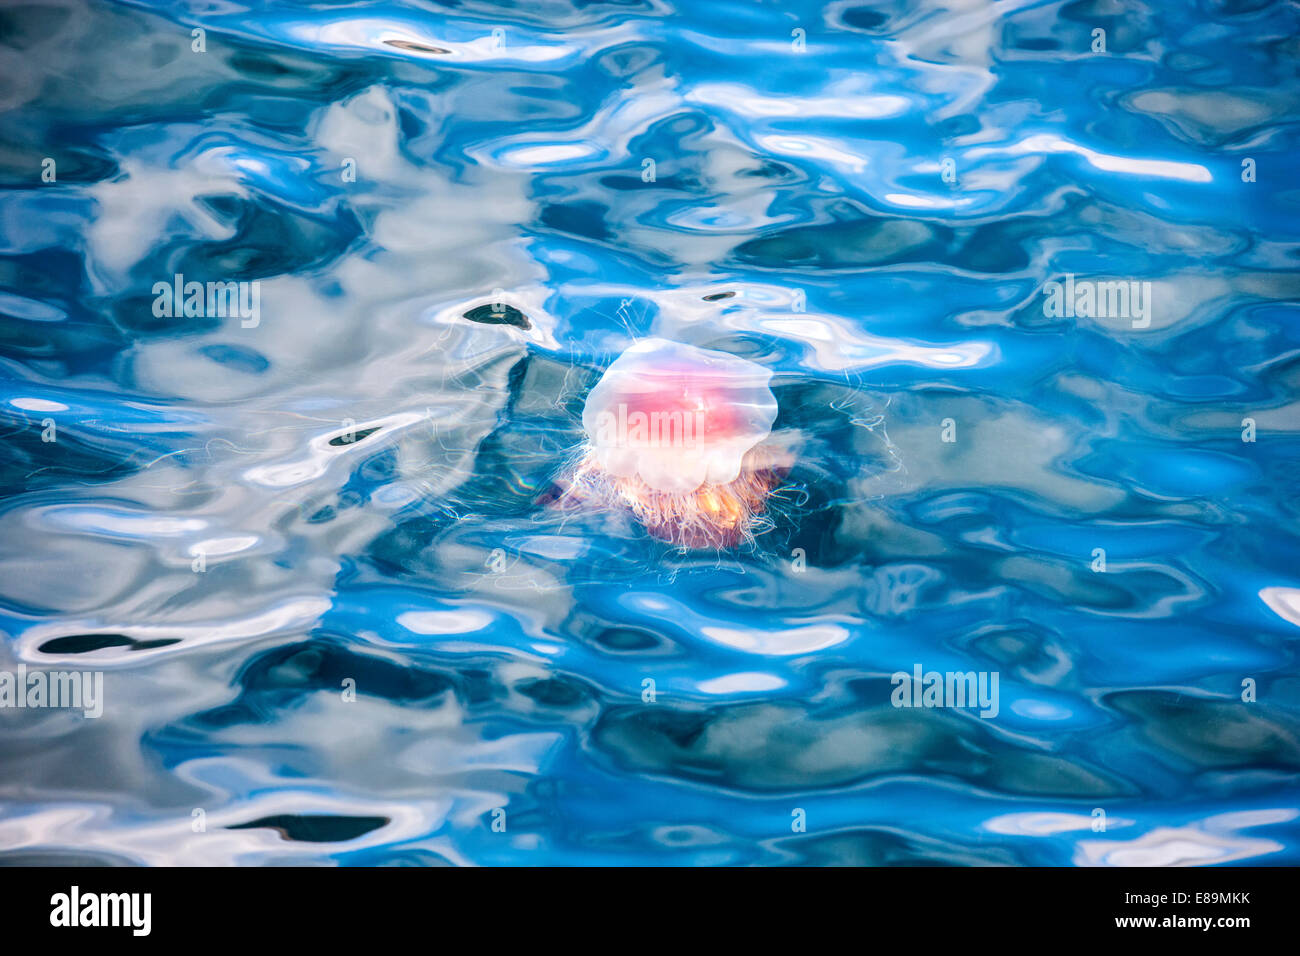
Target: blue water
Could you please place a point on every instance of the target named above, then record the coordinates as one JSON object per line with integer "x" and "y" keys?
{"x": 246, "y": 524}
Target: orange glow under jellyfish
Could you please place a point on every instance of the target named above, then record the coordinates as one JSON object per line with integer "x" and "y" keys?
{"x": 676, "y": 435}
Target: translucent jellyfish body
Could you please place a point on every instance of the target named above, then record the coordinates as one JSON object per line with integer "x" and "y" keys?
{"x": 676, "y": 435}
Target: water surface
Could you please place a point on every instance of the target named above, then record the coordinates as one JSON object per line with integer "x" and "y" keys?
{"x": 245, "y": 524}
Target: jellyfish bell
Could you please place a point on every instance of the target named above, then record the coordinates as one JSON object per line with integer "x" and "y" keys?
{"x": 679, "y": 435}
{"x": 677, "y": 416}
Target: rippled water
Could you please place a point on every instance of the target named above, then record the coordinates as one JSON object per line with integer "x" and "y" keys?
{"x": 242, "y": 522}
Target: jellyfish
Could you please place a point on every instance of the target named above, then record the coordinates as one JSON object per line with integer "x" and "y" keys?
{"x": 678, "y": 436}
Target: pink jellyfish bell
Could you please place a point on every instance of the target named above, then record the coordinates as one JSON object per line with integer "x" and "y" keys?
{"x": 676, "y": 434}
